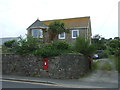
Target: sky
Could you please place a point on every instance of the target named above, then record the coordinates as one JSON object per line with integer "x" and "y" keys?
{"x": 17, "y": 15}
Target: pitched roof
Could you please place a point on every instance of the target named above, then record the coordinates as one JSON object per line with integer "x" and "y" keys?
{"x": 72, "y": 22}
{"x": 36, "y": 24}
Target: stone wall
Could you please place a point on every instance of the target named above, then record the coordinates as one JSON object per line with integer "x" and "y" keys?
{"x": 62, "y": 67}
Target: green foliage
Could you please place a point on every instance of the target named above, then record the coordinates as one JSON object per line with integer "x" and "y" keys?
{"x": 9, "y": 43}
{"x": 116, "y": 61}
{"x": 83, "y": 46}
{"x": 53, "y": 49}
{"x": 99, "y": 42}
{"x": 56, "y": 28}
{"x": 6, "y": 49}
{"x": 114, "y": 44}
{"x": 102, "y": 53}
{"x": 27, "y": 45}
{"x": 31, "y": 45}
{"x": 47, "y": 52}
{"x": 95, "y": 65}
{"x": 114, "y": 47}
{"x": 61, "y": 45}
{"x": 106, "y": 66}
{"x": 8, "y": 46}
{"x": 0, "y": 50}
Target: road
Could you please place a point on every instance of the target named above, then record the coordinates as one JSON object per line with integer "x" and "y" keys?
{"x": 19, "y": 84}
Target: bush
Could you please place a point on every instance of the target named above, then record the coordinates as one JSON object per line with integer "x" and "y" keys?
{"x": 116, "y": 61}
{"x": 114, "y": 47}
{"x": 31, "y": 45}
{"x": 83, "y": 46}
{"x": 53, "y": 49}
{"x": 95, "y": 65}
{"x": 47, "y": 51}
{"x": 9, "y": 43}
{"x": 27, "y": 45}
{"x": 102, "y": 53}
{"x": 61, "y": 45}
{"x": 106, "y": 66}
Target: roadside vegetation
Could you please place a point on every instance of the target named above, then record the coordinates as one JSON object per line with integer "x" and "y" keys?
{"x": 110, "y": 48}
{"x": 31, "y": 45}
{"x": 107, "y": 48}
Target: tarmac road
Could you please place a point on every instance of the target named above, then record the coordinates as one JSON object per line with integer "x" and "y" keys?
{"x": 19, "y": 84}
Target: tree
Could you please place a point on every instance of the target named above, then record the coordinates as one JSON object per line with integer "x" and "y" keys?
{"x": 114, "y": 46}
{"x": 99, "y": 41}
{"x": 83, "y": 46}
{"x": 117, "y": 38}
{"x": 55, "y": 28}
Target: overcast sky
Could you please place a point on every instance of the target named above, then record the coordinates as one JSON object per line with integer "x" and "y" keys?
{"x": 17, "y": 15}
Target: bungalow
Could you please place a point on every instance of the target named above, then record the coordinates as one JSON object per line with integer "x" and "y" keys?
{"x": 80, "y": 26}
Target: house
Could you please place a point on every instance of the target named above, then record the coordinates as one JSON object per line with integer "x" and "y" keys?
{"x": 80, "y": 26}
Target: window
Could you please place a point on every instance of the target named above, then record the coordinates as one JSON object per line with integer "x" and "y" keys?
{"x": 75, "y": 33}
{"x": 37, "y": 33}
{"x": 62, "y": 35}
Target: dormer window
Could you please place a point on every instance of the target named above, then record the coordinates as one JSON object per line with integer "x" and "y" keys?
{"x": 38, "y": 33}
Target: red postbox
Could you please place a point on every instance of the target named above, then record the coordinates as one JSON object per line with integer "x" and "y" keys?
{"x": 45, "y": 63}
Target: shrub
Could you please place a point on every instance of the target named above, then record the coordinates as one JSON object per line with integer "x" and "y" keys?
{"x": 61, "y": 45}
{"x": 27, "y": 45}
{"x": 53, "y": 49}
{"x": 106, "y": 66}
{"x": 103, "y": 54}
{"x": 47, "y": 52}
{"x": 116, "y": 61}
{"x": 95, "y": 65}
{"x": 114, "y": 47}
{"x": 83, "y": 46}
{"x": 9, "y": 43}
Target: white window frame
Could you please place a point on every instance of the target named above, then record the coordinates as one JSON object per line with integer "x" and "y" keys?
{"x": 77, "y": 33}
{"x": 40, "y": 31}
{"x": 60, "y": 36}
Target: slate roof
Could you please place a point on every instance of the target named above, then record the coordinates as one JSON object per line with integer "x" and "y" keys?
{"x": 37, "y": 24}
{"x": 81, "y": 22}
{"x": 72, "y": 22}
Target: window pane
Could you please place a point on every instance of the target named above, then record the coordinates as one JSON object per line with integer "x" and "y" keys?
{"x": 74, "y": 33}
{"x": 62, "y": 35}
{"x": 41, "y": 33}
{"x": 35, "y": 32}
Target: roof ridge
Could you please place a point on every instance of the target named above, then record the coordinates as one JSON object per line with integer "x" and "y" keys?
{"x": 35, "y": 22}
{"x": 66, "y": 18}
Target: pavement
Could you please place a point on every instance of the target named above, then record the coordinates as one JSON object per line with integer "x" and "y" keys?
{"x": 79, "y": 83}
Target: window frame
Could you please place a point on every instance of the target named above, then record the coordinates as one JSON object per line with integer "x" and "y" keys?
{"x": 38, "y": 31}
{"x": 61, "y": 37}
{"x": 77, "y": 33}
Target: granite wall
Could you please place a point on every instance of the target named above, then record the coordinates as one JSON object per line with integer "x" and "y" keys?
{"x": 68, "y": 66}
